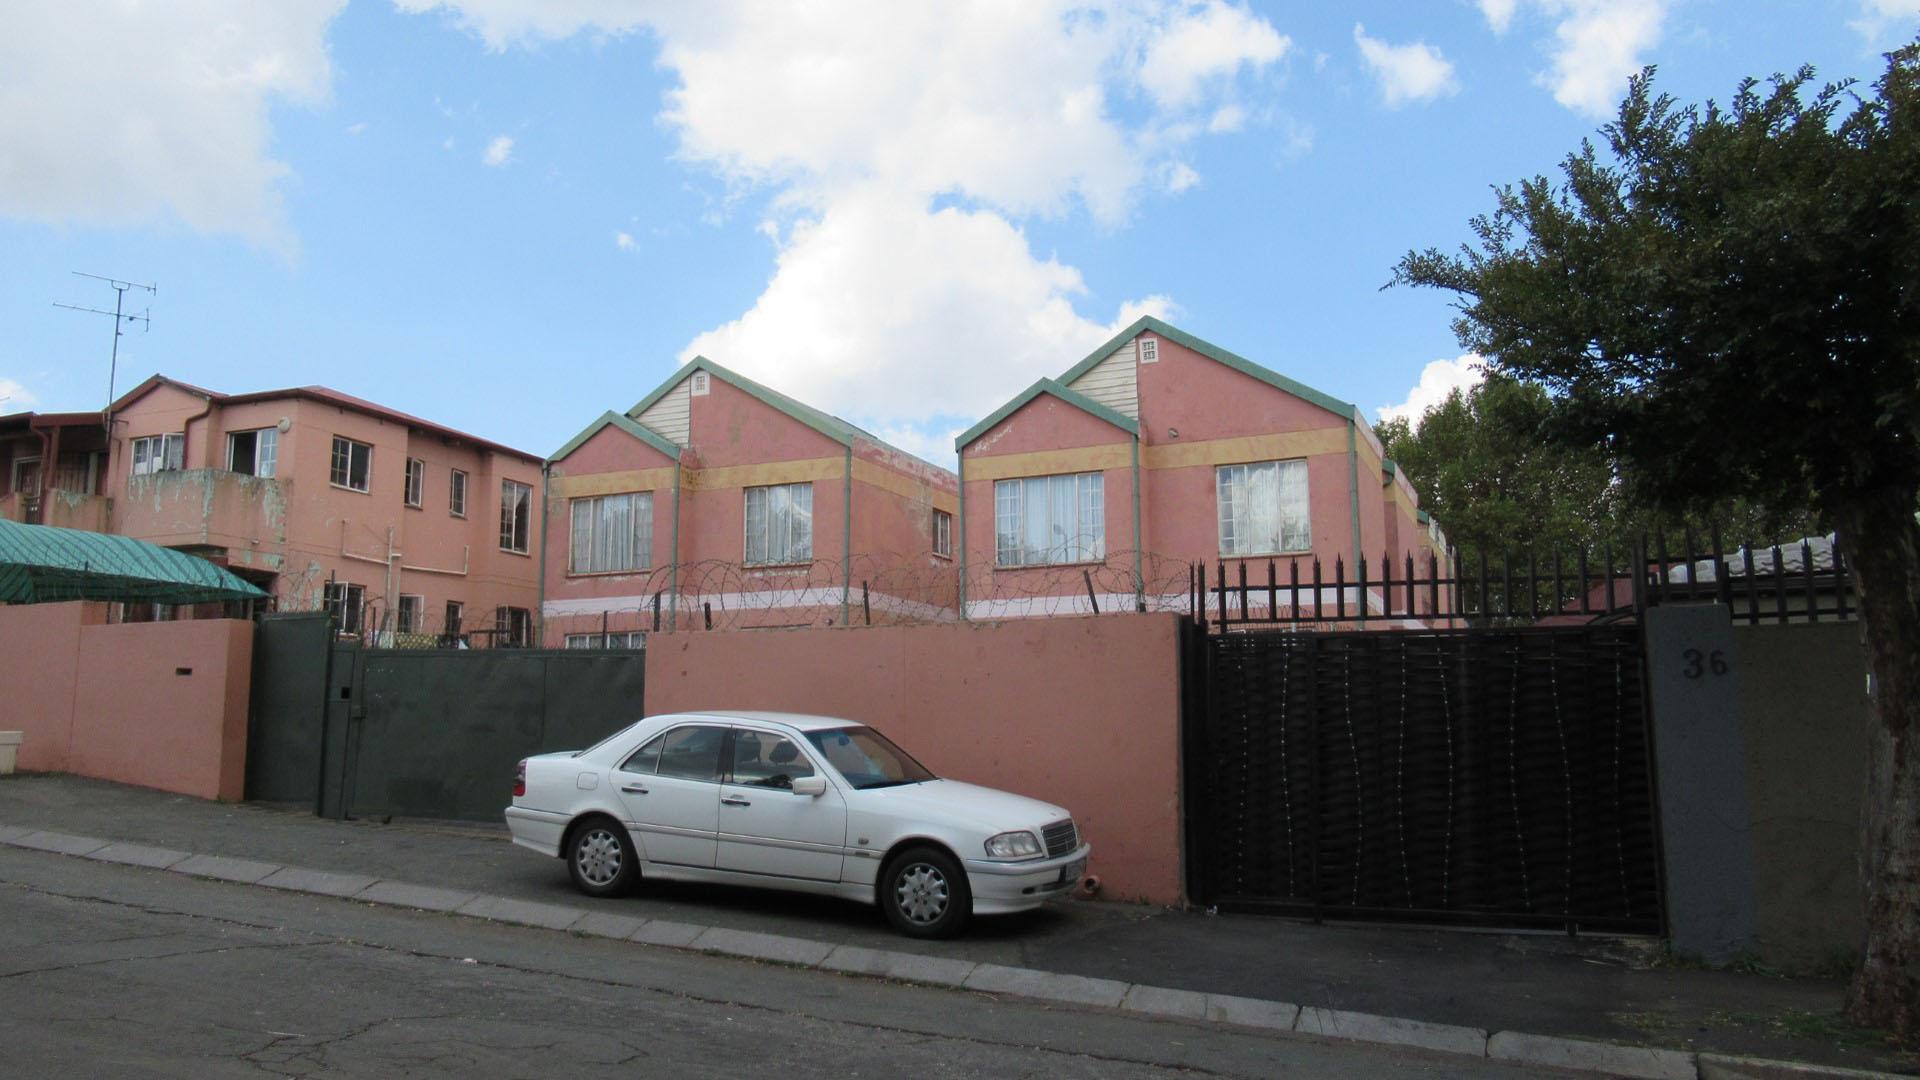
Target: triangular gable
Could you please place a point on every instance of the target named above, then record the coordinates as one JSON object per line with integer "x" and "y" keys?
{"x": 1056, "y": 389}
{"x": 638, "y": 431}
{"x": 154, "y": 382}
{"x": 1215, "y": 353}
{"x": 831, "y": 426}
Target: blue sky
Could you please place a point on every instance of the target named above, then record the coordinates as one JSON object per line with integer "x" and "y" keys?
{"x": 511, "y": 215}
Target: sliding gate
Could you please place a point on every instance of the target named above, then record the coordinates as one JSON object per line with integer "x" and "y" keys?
{"x": 1488, "y": 776}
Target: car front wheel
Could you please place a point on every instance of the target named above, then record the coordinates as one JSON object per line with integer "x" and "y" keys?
{"x": 925, "y": 895}
{"x": 601, "y": 858}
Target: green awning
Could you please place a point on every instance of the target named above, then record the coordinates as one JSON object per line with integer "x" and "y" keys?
{"x": 40, "y": 564}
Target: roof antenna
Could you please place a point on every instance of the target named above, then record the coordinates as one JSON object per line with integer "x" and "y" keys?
{"x": 119, "y": 316}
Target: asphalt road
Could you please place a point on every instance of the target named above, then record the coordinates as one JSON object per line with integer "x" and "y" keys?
{"x": 111, "y": 971}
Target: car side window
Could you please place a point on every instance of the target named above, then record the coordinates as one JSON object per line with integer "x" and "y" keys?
{"x": 761, "y": 759}
{"x": 645, "y": 759}
{"x": 692, "y": 753}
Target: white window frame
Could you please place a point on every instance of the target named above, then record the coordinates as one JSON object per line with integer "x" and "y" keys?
{"x": 1241, "y": 532}
{"x": 157, "y": 453}
{"x": 943, "y": 534}
{"x": 1013, "y": 502}
{"x": 366, "y": 474}
{"x": 635, "y": 639}
{"x": 1149, "y": 350}
{"x": 456, "y": 614}
{"x": 588, "y": 513}
{"x": 348, "y": 604}
{"x": 457, "y": 492}
{"x": 416, "y": 485}
{"x": 505, "y": 635}
{"x": 795, "y": 544}
{"x": 516, "y": 516}
{"x": 402, "y": 624}
{"x": 266, "y": 451}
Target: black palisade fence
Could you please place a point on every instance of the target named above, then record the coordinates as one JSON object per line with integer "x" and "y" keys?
{"x": 1806, "y": 580}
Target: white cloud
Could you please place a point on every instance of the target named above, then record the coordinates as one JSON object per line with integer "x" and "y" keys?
{"x": 357, "y": 129}
{"x": 1499, "y": 13}
{"x": 856, "y": 124}
{"x": 15, "y": 397}
{"x": 1411, "y": 72}
{"x": 1877, "y": 17}
{"x": 1199, "y": 46}
{"x": 119, "y": 113}
{"x": 950, "y": 313}
{"x": 624, "y": 241}
{"x": 1437, "y": 380}
{"x": 498, "y": 152}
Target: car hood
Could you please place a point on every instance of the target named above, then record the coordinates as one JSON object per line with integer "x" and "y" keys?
{"x": 959, "y": 803}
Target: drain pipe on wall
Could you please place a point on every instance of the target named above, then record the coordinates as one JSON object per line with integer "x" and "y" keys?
{"x": 960, "y": 524}
{"x": 673, "y": 573}
{"x": 1139, "y": 583}
{"x": 540, "y": 596}
{"x": 846, "y": 537}
{"x": 1353, "y": 484}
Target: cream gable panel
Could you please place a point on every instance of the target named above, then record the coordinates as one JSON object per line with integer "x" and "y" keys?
{"x": 1113, "y": 382}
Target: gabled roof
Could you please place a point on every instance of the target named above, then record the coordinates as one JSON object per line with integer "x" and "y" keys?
{"x": 831, "y": 426}
{"x": 1213, "y": 352}
{"x": 326, "y": 395}
{"x": 1059, "y": 390}
{"x": 639, "y": 431}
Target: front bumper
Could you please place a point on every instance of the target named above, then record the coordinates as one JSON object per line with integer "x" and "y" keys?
{"x": 1000, "y": 887}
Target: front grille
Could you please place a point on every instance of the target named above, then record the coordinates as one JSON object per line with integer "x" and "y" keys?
{"x": 1060, "y": 837}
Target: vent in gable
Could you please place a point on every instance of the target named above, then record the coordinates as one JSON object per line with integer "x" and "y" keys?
{"x": 1149, "y": 350}
{"x": 699, "y": 382}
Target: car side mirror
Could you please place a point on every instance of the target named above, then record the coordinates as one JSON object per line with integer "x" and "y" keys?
{"x": 809, "y": 785}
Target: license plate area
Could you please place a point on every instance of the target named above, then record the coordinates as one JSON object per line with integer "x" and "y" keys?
{"x": 1071, "y": 872}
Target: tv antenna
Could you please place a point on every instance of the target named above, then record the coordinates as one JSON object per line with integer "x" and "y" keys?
{"x": 120, "y": 316}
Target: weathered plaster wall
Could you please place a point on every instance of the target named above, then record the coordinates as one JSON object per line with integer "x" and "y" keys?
{"x": 1084, "y": 713}
{"x": 160, "y": 705}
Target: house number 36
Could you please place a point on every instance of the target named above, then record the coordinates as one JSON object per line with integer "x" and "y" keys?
{"x": 1699, "y": 663}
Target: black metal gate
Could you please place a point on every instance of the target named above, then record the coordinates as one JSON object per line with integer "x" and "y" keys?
{"x": 1488, "y": 776}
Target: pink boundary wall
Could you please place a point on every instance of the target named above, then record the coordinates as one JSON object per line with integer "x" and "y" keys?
{"x": 111, "y": 702}
{"x": 1081, "y": 712}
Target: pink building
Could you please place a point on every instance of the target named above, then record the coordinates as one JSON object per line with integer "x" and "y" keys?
{"x": 399, "y": 525}
{"x": 716, "y": 497}
{"x": 53, "y": 470}
{"x": 1159, "y": 450}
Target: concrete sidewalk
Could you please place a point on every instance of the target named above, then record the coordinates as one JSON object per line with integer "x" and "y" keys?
{"x": 1591, "y": 988}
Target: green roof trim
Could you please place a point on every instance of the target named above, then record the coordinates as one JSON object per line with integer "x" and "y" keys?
{"x": 1213, "y": 352}
{"x": 1058, "y": 389}
{"x": 41, "y": 564}
{"x": 1422, "y": 516}
{"x": 831, "y": 426}
{"x": 639, "y": 431}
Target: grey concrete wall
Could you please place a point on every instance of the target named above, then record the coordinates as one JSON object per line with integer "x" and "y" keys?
{"x": 1695, "y": 671}
{"x": 1804, "y": 718}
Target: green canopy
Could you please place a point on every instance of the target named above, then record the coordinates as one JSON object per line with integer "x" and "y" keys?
{"x": 41, "y": 564}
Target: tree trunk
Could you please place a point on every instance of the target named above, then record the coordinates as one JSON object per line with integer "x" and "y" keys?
{"x": 1881, "y": 541}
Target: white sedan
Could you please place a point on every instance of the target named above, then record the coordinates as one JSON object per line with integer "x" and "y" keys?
{"x": 807, "y": 803}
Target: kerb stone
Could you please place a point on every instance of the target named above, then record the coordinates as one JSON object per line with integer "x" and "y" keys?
{"x": 1637, "y": 1061}
{"x": 1365, "y": 1027}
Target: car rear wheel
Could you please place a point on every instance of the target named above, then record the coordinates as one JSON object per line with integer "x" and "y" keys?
{"x": 601, "y": 858}
{"x": 925, "y": 894}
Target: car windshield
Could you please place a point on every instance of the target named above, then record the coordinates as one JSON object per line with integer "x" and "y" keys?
{"x": 867, "y": 759}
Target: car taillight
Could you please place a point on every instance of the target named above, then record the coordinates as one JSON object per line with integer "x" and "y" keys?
{"x": 520, "y": 778}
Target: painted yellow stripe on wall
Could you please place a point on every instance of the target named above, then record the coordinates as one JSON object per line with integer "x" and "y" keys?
{"x": 1288, "y": 444}
{"x": 613, "y": 483}
{"x": 866, "y": 472}
{"x": 1051, "y": 462}
{"x": 764, "y": 473}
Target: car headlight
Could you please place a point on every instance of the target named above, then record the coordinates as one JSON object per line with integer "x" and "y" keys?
{"x": 1014, "y": 845}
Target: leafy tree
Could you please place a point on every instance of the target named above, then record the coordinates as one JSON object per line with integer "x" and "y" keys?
{"x": 1729, "y": 303}
{"x": 1483, "y": 471}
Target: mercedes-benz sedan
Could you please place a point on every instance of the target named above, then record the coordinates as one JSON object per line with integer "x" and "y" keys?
{"x": 806, "y": 803}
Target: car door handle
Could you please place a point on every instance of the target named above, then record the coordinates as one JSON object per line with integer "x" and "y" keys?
{"x": 634, "y": 789}
{"x": 733, "y": 800}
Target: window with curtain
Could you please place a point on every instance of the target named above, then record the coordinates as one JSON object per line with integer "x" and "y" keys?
{"x": 1045, "y": 520}
{"x": 516, "y": 515}
{"x": 612, "y": 533}
{"x": 1263, "y": 508}
{"x": 780, "y": 524}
